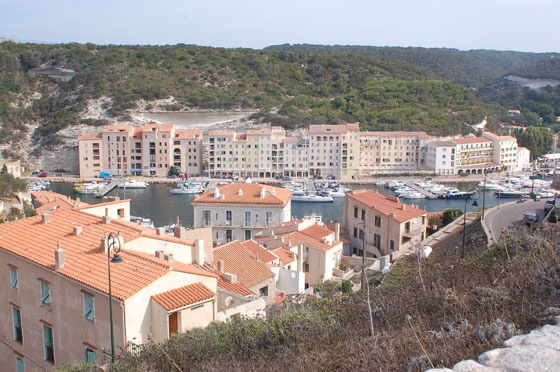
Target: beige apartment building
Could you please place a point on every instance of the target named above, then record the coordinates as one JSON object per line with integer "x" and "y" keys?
{"x": 381, "y": 225}
{"x": 237, "y": 210}
{"x": 334, "y": 150}
{"x": 392, "y": 151}
{"x": 474, "y": 155}
{"x": 505, "y": 150}
{"x": 151, "y": 150}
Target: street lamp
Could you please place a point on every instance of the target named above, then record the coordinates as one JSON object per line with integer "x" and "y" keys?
{"x": 484, "y": 194}
{"x": 475, "y": 196}
{"x": 114, "y": 243}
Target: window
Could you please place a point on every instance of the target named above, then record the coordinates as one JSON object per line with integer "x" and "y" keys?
{"x": 306, "y": 267}
{"x": 228, "y": 235}
{"x": 247, "y": 234}
{"x": 89, "y": 307}
{"x": 228, "y": 217}
{"x": 377, "y": 241}
{"x": 19, "y": 365}
{"x": 48, "y": 343}
{"x": 355, "y": 232}
{"x": 361, "y": 234}
{"x": 377, "y": 221}
{"x": 16, "y": 318}
{"x": 206, "y": 217}
{"x": 247, "y": 218}
{"x": 91, "y": 356}
{"x": 363, "y": 214}
{"x": 14, "y": 282}
{"x": 263, "y": 291}
{"x": 355, "y": 212}
{"x": 392, "y": 244}
{"x": 268, "y": 219}
{"x": 45, "y": 293}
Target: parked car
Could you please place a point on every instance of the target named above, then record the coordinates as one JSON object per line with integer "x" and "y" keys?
{"x": 549, "y": 205}
{"x": 530, "y": 217}
{"x": 44, "y": 174}
{"x": 286, "y": 178}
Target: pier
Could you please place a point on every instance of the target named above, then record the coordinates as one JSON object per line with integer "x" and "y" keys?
{"x": 428, "y": 194}
{"x": 106, "y": 190}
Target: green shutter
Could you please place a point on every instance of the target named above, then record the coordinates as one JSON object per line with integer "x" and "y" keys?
{"x": 18, "y": 334}
{"x": 91, "y": 356}
{"x": 14, "y": 278}
{"x": 48, "y": 343}
{"x": 89, "y": 307}
{"x": 19, "y": 364}
{"x": 45, "y": 293}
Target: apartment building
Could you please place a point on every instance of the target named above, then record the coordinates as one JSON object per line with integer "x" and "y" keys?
{"x": 523, "y": 158}
{"x": 505, "y": 150}
{"x": 334, "y": 150}
{"x": 440, "y": 157}
{"x": 392, "y": 151}
{"x": 237, "y": 210}
{"x": 382, "y": 225}
{"x": 151, "y": 150}
{"x": 474, "y": 155}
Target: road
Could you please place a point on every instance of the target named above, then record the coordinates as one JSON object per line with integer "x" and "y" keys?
{"x": 512, "y": 214}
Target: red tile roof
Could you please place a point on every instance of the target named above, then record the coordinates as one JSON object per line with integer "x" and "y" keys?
{"x": 250, "y": 195}
{"x": 159, "y": 127}
{"x": 393, "y": 134}
{"x": 238, "y": 288}
{"x": 188, "y": 134}
{"x": 264, "y": 255}
{"x": 182, "y": 297}
{"x": 47, "y": 200}
{"x": 239, "y": 261}
{"x": 89, "y": 137}
{"x": 317, "y": 232}
{"x": 85, "y": 261}
{"x": 387, "y": 205}
{"x": 299, "y": 237}
{"x": 286, "y": 256}
{"x": 333, "y": 128}
{"x": 221, "y": 133}
{"x": 113, "y": 128}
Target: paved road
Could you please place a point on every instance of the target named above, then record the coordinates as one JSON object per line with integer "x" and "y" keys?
{"x": 512, "y": 214}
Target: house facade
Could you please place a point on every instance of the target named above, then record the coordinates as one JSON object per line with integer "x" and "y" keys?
{"x": 380, "y": 225}
{"x": 237, "y": 210}
{"x": 441, "y": 157}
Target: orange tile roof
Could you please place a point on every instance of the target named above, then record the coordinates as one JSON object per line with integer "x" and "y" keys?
{"x": 250, "y": 195}
{"x": 177, "y": 265}
{"x": 181, "y": 297}
{"x": 286, "y": 256}
{"x": 280, "y": 297}
{"x": 317, "y": 232}
{"x": 238, "y": 288}
{"x": 159, "y": 127}
{"x": 387, "y": 205}
{"x": 85, "y": 261}
{"x": 113, "y": 128}
{"x": 47, "y": 200}
{"x": 221, "y": 133}
{"x": 241, "y": 137}
{"x": 89, "y": 137}
{"x": 333, "y": 128}
{"x": 188, "y": 134}
{"x": 299, "y": 237}
{"x": 264, "y": 255}
{"x": 471, "y": 140}
{"x": 239, "y": 261}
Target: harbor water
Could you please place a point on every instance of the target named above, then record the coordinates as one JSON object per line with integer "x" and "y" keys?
{"x": 163, "y": 208}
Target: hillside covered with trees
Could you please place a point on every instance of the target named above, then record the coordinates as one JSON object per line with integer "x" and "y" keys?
{"x": 286, "y": 88}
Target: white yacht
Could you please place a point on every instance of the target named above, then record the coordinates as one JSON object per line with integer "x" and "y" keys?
{"x": 312, "y": 198}
{"x": 133, "y": 184}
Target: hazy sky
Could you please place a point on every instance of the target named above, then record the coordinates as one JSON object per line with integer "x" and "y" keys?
{"x": 525, "y": 25}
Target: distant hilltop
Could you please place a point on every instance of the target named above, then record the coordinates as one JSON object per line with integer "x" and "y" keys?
{"x": 5, "y": 39}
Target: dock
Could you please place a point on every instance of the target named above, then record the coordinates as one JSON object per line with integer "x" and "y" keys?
{"x": 427, "y": 194}
{"x": 110, "y": 187}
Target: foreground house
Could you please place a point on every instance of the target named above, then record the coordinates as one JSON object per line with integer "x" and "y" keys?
{"x": 238, "y": 210}
{"x": 382, "y": 225}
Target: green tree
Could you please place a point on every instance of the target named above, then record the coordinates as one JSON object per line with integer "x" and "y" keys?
{"x": 174, "y": 171}
{"x": 450, "y": 215}
{"x": 537, "y": 139}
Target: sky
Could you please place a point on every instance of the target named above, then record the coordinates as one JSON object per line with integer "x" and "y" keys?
{"x": 523, "y": 25}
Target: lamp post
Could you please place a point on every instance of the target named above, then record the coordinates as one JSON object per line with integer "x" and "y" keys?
{"x": 474, "y": 197}
{"x": 114, "y": 243}
{"x": 484, "y": 194}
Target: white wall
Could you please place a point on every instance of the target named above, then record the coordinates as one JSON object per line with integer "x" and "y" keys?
{"x": 289, "y": 281}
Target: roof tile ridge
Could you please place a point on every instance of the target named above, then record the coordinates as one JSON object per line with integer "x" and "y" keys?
{"x": 146, "y": 259}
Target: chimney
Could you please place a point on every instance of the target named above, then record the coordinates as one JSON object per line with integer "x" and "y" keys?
{"x": 77, "y": 230}
{"x": 46, "y": 218}
{"x": 106, "y": 218}
{"x": 273, "y": 192}
{"x": 229, "y": 277}
{"x": 198, "y": 256}
{"x": 168, "y": 257}
{"x": 59, "y": 258}
{"x": 104, "y": 243}
{"x": 263, "y": 193}
{"x": 403, "y": 206}
{"x": 221, "y": 265}
{"x": 160, "y": 231}
{"x": 336, "y": 231}
{"x": 216, "y": 193}
{"x": 159, "y": 254}
{"x": 257, "y": 255}
{"x": 240, "y": 192}
{"x": 180, "y": 232}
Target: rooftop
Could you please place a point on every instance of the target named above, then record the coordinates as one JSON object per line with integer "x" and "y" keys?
{"x": 264, "y": 254}
{"x": 471, "y": 140}
{"x": 238, "y": 260}
{"x": 333, "y": 128}
{"x": 188, "y": 134}
{"x": 182, "y": 297}
{"x": 246, "y": 194}
{"x": 443, "y": 143}
{"x": 89, "y": 136}
{"x": 387, "y": 205}
{"x": 393, "y": 134}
